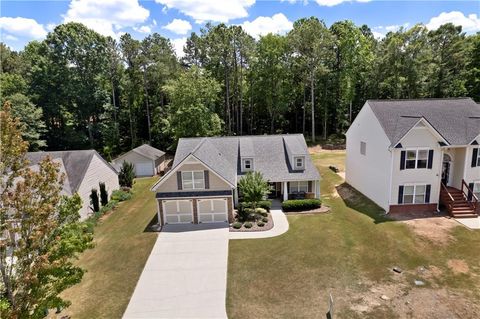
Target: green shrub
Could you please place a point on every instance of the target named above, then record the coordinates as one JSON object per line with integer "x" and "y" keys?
{"x": 103, "y": 194}
{"x": 94, "y": 200}
{"x": 301, "y": 204}
{"x": 265, "y": 219}
{"x": 261, "y": 211}
{"x": 260, "y": 224}
{"x": 126, "y": 175}
{"x": 120, "y": 195}
{"x": 265, "y": 204}
{"x": 237, "y": 225}
{"x": 248, "y": 225}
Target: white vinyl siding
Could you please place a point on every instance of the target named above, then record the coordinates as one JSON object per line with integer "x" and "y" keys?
{"x": 193, "y": 180}
{"x": 98, "y": 171}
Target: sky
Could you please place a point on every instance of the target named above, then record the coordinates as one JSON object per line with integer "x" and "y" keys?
{"x": 23, "y": 21}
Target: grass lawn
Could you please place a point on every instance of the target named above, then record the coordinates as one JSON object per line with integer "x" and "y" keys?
{"x": 350, "y": 253}
{"x": 115, "y": 264}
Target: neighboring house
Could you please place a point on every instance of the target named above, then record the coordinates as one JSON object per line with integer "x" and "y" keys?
{"x": 201, "y": 187}
{"x": 148, "y": 160}
{"x": 412, "y": 155}
{"x": 83, "y": 170}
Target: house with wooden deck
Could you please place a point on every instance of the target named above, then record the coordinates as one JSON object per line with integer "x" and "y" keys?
{"x": 418, "y": 155}
{"x": 201, "y": 186}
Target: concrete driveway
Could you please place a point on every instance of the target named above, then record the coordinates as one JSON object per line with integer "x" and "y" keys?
{"x": 185, "y": 275}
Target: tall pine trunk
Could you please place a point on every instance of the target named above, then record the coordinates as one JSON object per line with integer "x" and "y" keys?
{"x": 312, "y": 88}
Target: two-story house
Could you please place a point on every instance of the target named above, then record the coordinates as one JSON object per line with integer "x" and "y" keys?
{"x": 201, "y": 187}
{"x": 413, "y": 155}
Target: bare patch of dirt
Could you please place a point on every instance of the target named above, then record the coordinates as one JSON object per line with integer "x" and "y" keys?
{"x": 434, "y": 227}
{"x": 317, "y": 149}
{"x": 404, "y": 298}
{"x": 458, "y": 266}
{"x": 341, "y": 174}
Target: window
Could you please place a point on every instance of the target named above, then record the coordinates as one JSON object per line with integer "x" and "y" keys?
{"x": 416, "y": 159}
{"x": 299, "y": 186}
{"x": 298, "y": 162}
{"x": 363, "y": 148}
{"x": 247, "y": 164}
{"x": 414, "y": 194}
{"x": 193, "y": 180}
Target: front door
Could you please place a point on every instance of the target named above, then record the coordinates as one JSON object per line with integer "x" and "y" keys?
{"x": 446, "y": 173}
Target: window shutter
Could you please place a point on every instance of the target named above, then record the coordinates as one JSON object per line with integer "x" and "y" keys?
{"x": 179, "y": 180}
{"x": 310, "y": 186}
{"x": 288, "y": 187}
{"x": 474, "y": 157}
{"x": 400, "y": 194}
{"x": 428, "y": 189}
{"x": 403, "y": 155}
{"x": 206, "y": 177}
{"x": 430, "y": 159}
{"x": 470, "y": 190}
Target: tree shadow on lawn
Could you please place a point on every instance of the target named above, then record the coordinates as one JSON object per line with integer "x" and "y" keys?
{"x": 357, "y": 201}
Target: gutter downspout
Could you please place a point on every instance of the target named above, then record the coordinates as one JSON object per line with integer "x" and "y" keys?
{"x": 391, "y": 179}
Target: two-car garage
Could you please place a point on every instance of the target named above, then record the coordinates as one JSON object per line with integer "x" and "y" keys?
{"x": 205, "y": 210}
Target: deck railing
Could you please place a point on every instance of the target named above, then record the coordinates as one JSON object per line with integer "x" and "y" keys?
{"x": 469, "y": 195}
{"x": 446, "y": 198}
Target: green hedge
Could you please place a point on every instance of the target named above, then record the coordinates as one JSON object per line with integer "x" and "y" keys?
{"x": 294, "y": 205}
{"x": 120, "y": 195}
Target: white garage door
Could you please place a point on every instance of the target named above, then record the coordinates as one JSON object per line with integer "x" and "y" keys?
{"x": 143, "y": 169}
{"x": 212, "y": 210}
{"x": 177, "y": 211}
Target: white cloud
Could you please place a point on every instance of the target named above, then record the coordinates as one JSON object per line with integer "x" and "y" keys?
{"x": 331, "y": 3}
{"x": 470, "y": 23}
{"x": 278, "y": 23}
{"x": 378, "y": 35}
{"x": 210, "y": 10}
{"x": 178, "y": 45}
{"x": 10, "y": 37}
{"x": 143, "y": 29}
{"x": 22, "y": 27}
{"x": 51, "y": 26}
{"x": 106, "y": 16}
{"x": 179, "y": 26}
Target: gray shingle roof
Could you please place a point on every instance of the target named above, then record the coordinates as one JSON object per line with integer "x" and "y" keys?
{"x": 75, "y": 164}
{"x": 223, "y": 154}
{"x": 457, "y": 120}
{"x": 149, "y": 151}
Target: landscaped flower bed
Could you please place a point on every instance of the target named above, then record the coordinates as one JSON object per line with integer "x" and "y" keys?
{"x": 249, "y": 219}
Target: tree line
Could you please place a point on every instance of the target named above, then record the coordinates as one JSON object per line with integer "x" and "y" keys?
{"x": 78, "y": 89}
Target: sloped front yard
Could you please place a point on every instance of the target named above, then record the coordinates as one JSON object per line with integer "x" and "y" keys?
{"x": 114, "y": 265}
{"x": 350, "y": 253}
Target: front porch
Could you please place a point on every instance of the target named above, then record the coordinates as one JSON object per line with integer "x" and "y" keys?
{"x": 286, "y": 190}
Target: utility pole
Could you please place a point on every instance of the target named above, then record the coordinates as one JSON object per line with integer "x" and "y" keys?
{"x": 146, "y": 101}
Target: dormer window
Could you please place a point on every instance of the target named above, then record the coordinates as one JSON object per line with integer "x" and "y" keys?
{"x": 299, "y": 162}
{"x": 247, "y": 164}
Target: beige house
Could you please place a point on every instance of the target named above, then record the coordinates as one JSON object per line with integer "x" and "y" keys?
{"x": 201, "y": 187}
{"x": 83, "y": 170}
{"x": 147, "y": 160}
{"x": 415, "y": 155}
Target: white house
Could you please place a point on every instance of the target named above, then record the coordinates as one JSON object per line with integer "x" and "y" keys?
{"x": 147, "y": 160}
{"x": 83, "y": 170}
{"x": 413, "y": 155}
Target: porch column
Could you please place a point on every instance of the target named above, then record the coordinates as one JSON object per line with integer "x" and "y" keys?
{"x": 285, "y": 191}
{"x": 317, "y": 189}
{"x": 235, "y": 196}
{"x": 159, "y": 212}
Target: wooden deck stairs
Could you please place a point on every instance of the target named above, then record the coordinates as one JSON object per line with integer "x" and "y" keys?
{"x": 459, "y": 203}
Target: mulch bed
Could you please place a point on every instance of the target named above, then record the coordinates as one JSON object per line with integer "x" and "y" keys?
{"x": 321, "y": 210}
{"x": 255, "y": 228}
